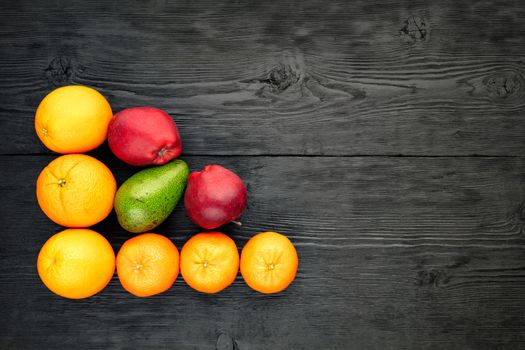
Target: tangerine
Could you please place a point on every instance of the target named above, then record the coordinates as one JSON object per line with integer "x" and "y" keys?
{"x": 147, "y": 264}
{"x": 269, "y": 262}
{"x": 209, "y": 262}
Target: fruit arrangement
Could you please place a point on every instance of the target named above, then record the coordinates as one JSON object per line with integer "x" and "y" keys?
{"x": 77, "y": 191}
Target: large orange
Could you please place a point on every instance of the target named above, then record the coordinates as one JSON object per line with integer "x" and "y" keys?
{"x": 73, "y": 119}
{"x": 209, "y": 262}
{"x": 76, "y": 263}
{"x": 269, "y": 262}
{"x": 76, "y": 190}
{"x": 147, "y": 264}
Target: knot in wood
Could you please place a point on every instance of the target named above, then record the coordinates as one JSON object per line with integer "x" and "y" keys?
{"x": 59, "y": 71}
{"x": 504, "y": 84}
{"x": 414, "y": 29}
{"x": 432, "y": 278}
{"x": 282, "y": 77}
{"x": 517, "y": 218}
{"x": 225, "y": 342}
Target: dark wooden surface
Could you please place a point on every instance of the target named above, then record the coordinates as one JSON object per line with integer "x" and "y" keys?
{"x": 386, "y": 139}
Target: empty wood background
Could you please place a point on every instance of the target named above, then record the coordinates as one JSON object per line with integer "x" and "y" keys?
{"x": 386, "y": 139}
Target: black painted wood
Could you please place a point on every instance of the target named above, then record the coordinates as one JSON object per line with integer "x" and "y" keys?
{"x": 394, "y": 253}
{"x": 288, "y": 77}
{"x": 386, "y": 139}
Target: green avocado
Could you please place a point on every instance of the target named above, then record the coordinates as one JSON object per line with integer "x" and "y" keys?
{"x": 147, "y": 198}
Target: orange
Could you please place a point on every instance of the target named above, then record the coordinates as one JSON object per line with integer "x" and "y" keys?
{"x": 147, "y": 264}
{"x": 209, "y": 262}
{"x": 76, "y": 263}
{"x": 76, "y": 190}
{"x": 269, "y": 262}
{"x": 73, "y": 119}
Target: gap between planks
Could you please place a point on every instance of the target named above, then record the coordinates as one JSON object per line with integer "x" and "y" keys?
{"x": 261, "y": 155}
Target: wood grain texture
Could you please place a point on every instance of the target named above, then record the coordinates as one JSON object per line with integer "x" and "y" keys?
{"x": 395, "y": 253}
{"x": 385, "y": 138}
{"x": 287, "y": 77}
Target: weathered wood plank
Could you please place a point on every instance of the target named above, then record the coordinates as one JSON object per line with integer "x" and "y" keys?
{"x": 395, "y": 252}
{"x": 288, "y": 78}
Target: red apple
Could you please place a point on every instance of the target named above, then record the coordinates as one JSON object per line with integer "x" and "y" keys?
{"x": 143, "y": 136}
{"x": 214, "y": 196}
